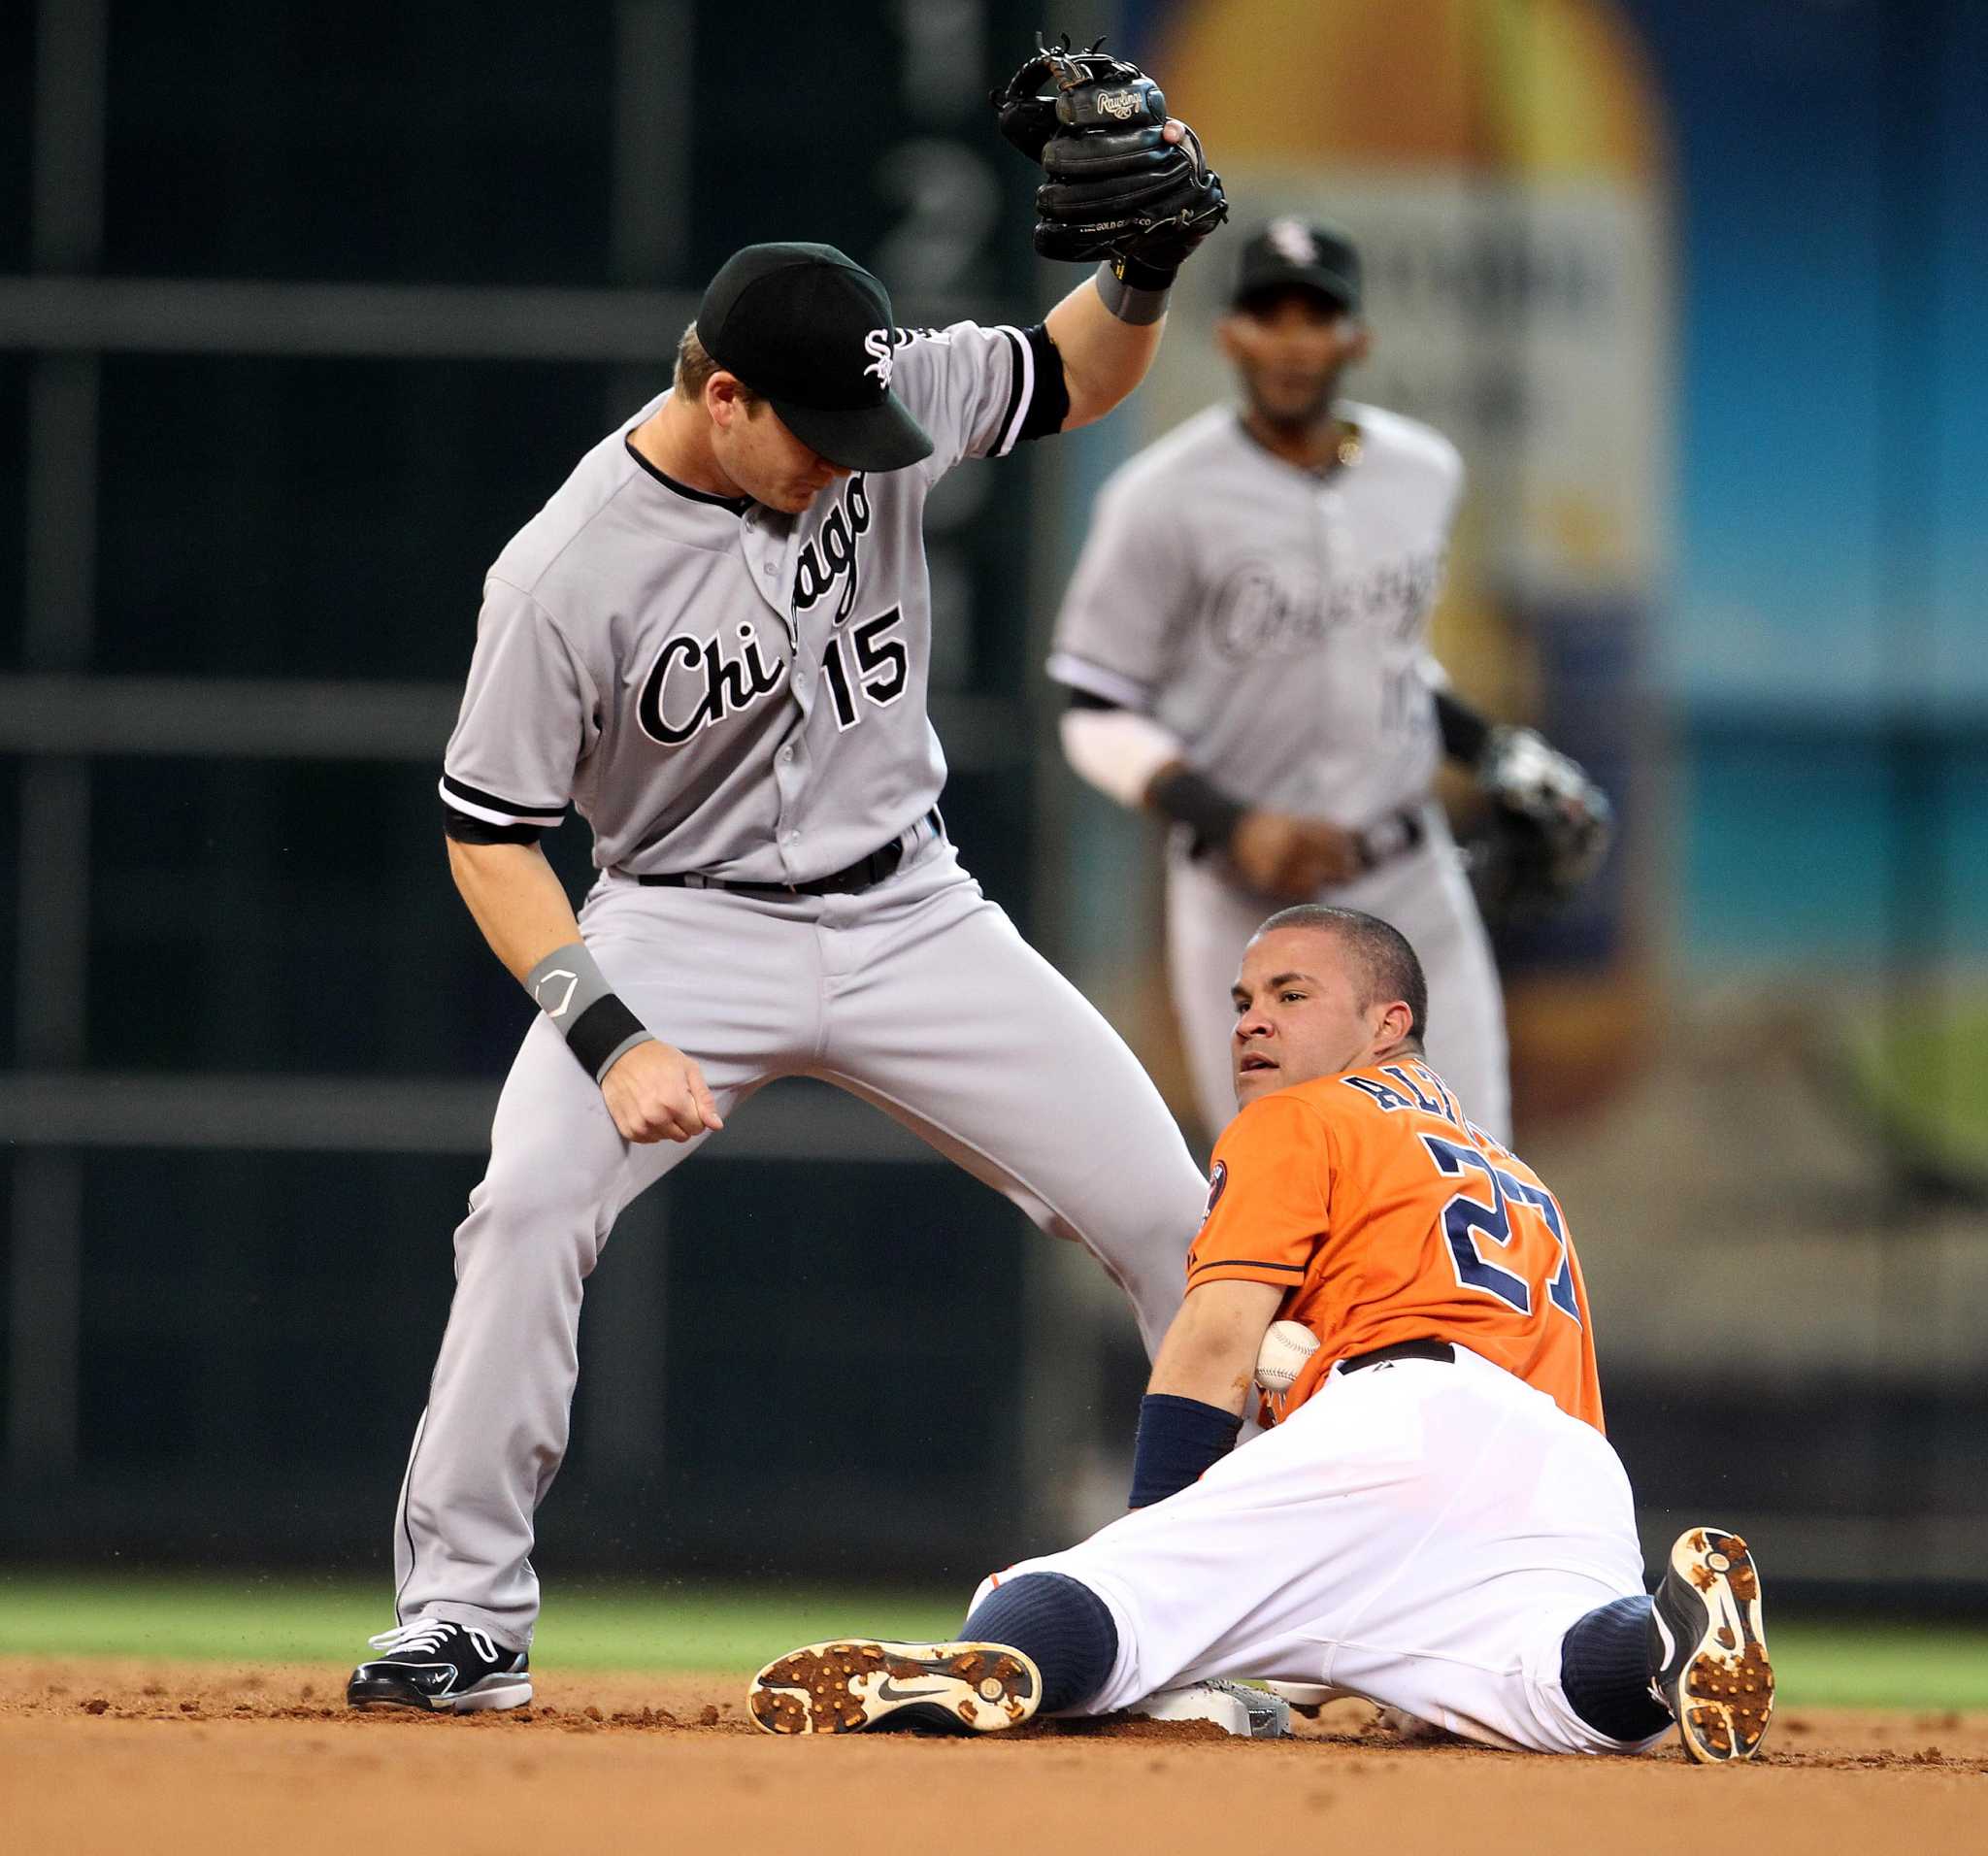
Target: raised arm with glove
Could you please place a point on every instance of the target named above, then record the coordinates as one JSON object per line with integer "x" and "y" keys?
{"x": 1121, "y": 190}
{"x": 1128, "y": 186}
{"x": 1128, "y": 190}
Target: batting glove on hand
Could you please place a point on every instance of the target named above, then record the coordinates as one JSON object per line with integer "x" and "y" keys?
{"x": 1118, "y": 189}
{"x": 1549, "y": 828}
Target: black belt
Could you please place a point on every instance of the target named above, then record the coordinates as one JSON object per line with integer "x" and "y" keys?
{"x": 1402, "y": 1350}
{"x": 859, "y": 874}
{"x": 1392, "y": 837}
{"x": 1382, "y": 843}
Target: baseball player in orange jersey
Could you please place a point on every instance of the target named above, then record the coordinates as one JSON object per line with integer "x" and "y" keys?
{"x": 1434, "y": 1519}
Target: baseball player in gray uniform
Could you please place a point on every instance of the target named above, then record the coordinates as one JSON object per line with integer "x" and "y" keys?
{"x": 1270, "y": 689}
{"x": 713, "y": 642}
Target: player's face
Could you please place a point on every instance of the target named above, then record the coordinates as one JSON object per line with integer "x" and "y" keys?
{"x": 1290, "y": 349}
{"x": 755, "y": 449}
{"x": 1299, "y": 1013}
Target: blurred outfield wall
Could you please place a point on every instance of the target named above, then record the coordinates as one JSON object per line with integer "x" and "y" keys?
{"x": 301, "y": 317}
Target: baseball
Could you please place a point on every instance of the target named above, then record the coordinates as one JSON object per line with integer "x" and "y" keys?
{"x": 1286, "y": 1347}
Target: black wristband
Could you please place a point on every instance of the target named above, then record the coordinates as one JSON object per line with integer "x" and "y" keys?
{"x": 602, "y": 1032}
{"x": 1199, "y": 804}
{"x": 569, "y": 987}
{"x": 1465, "y": 733}
{"x": 1138, "y": 276}
{"x": 1177, "y": 1439}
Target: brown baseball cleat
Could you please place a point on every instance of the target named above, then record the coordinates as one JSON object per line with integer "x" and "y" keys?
{"x": 1708, "y": 1654}
{"x": 860, "y": 1684}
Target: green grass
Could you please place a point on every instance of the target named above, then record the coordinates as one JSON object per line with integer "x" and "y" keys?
{"x": 1909, "y": 1665}
{"x": 690, "y": 1628}
{"x": 270, "y": 1620}
{"x": 1921, "y": 1072}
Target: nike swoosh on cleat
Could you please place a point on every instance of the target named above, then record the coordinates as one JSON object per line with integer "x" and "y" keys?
{"x": 888, "y": 1691}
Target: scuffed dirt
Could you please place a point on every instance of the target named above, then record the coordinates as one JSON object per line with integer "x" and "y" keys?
{"x": 122, "y": 1755}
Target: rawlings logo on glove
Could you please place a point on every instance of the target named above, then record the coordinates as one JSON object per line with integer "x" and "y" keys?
{"x": 1117, "y": 188}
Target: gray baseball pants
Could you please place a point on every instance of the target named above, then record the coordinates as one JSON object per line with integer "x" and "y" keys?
{"x": 917, "y": 995}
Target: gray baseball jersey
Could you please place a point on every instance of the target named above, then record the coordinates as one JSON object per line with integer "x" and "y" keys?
{"x": 1275, "y": 620}
{"x": 1276, "y": 623}
{"x": 728, "y": 691}
{"x": 715, "y": 685}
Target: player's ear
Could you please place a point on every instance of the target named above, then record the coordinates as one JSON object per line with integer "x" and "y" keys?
{"x": 1359, "y": 343}
{"x": 723, "y": 398}
{"x": 1395, "y": 1024}
{"x": 1226, "y": 344}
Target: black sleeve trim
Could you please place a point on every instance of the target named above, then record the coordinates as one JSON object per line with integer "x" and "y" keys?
{"x": 1090, "y": 699}
{"x": 474, "y": 799}
{"x": 1020, "y": 377}
{"x": 1050, "y": 405}
{"x": 1245, "y": 1263}
{"x": 466, "y": 830}
{"x": 1098, "y": 679}
{"x": 1465, "y": 733}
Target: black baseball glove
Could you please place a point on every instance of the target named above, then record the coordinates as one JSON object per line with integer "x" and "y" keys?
{"x": 1547, "y": 829}
{"x": 1117, "y": 191}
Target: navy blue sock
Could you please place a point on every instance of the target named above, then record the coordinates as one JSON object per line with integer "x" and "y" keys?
{"x": 1059, "y": 1624}
{"x": 1605, "y": 1670}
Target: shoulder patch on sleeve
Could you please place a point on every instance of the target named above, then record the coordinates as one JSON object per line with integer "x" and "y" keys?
{"x": 1217, "y": 1178}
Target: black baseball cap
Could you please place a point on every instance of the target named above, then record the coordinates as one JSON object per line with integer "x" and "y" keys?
{"x": 1289, "y": 253}
{"x": 810, "y": 331}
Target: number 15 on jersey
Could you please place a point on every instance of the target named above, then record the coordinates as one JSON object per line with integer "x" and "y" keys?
{"x": 882, "y": 667}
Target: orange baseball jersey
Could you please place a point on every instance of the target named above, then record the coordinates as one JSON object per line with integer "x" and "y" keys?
{"x": 1388, "y": 1217}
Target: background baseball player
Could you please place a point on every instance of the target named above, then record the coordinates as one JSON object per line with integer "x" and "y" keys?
{"x": 713, "y": 642}
{"x": 1245, "y": 645}
{"x": 1435, "y": 1520}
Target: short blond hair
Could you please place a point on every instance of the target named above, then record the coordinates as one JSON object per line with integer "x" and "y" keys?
{"x": 695, "y": 367}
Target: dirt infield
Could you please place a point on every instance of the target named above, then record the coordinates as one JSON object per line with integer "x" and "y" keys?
{"x": 123, "y": 1756}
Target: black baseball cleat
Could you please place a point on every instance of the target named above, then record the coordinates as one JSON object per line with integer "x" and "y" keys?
{"x": 1708, "y": 1654}
{"x": 858, "y": 1684}
{"x": 444, "y": 1668}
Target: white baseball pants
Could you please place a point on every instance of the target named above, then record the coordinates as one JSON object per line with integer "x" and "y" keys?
{"x": 1417, "y": 1533}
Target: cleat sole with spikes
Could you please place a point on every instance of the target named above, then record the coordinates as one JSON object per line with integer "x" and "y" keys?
{"x": 859, "y": 1684}
{"x": 1709, "y": 1649}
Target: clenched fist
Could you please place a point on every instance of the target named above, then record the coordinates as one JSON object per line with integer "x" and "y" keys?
{"x": 656, "y": 1093}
